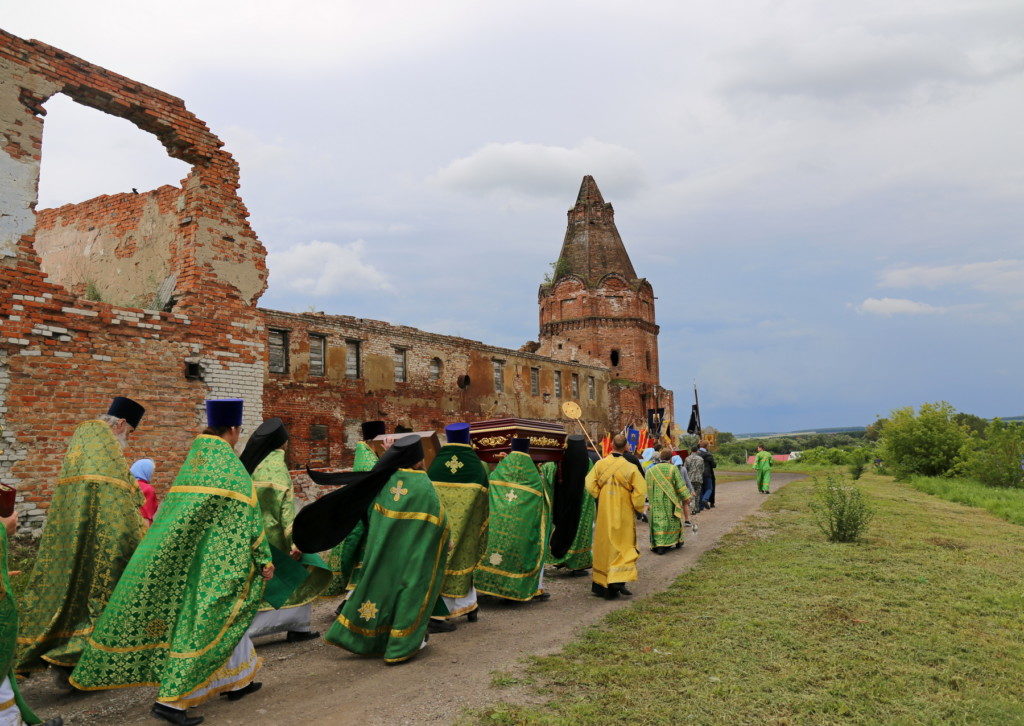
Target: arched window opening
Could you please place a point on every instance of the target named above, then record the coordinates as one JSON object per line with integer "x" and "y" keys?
{"x": 615, "y": 357}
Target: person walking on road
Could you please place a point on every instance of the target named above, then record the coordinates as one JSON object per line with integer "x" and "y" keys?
{"x": 763, "y": 466}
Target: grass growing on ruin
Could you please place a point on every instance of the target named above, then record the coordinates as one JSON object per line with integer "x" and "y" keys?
{"x": 919, "y": 623}
{"x": 1004, "y": 502}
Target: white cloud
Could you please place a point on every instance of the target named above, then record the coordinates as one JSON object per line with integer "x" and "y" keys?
{"x": 538, "y": 170}
{"x": 998, "y": 276}
{"x": 325, "y": 268}
{"x": 889, "y": 306}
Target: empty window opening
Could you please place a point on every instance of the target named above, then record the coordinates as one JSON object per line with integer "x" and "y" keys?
{"x": 647, "y": 359}
{"x": 591, "y": 388}
{"x": 277, "y": 342}
{"x": 499, "y": 375}
{"x": 352, "y": 363}
{"x": 558, "y": 384}
{"x": 575, "y": 386}
{"x": 535, "y": 381}
{"x": 319, "y": 445}
{"x": 117, "y": 248}
{"x": 400, "y": 357}
{"x": 435, "y": 369}
{"x": 615, "y": 357}
{"x": 317, "y": 355}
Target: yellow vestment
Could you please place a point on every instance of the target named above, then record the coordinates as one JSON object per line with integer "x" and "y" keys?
{"x": 620, "y": 490}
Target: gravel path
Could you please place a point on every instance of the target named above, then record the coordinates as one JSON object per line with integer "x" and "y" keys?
{"x": 315, "y": 682}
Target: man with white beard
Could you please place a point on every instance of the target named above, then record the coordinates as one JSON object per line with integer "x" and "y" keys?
{"x": 93, "y": 526}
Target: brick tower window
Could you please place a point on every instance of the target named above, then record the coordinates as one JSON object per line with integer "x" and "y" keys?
{"x": 535, "y": 381}
{"x": 400, "y": 365}
{"x": 647, "y": 359}
{"x": 435, "y": 369}
{"x": 352, "y": 363}
{"x": 615, "y": 357}
{"x": 575, "y": 386}
{"x": 591, "y": 388}
{"x": 558, "y": 384}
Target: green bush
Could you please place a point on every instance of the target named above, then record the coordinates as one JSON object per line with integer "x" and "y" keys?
{"x": 841, "y": 510}
{"x": 996, "y": 459}
{"x": 927, "y": 442}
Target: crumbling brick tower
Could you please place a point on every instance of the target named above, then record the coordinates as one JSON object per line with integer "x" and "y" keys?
{"x": 596, "y": 303}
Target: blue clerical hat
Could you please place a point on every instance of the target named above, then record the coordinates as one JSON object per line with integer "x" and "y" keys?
{"x": 457, "y": 433}
{"x": 223, "y": 412}
{"x": 126, "y": 408}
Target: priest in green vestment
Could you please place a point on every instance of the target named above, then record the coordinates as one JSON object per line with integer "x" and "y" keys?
{"x": 178, "y": 617}
{"x": 13, "y": 709}
{"x": 565, "y": 479}
{"x": 517, "y": 538}
{"x": 264, "y": 457}
{"x": 387, "y": 613}
{"x": 460, "y": 478}
{"x": 669, "y": 503}
{"x": 92, "y": 528}
{"x": 344, "y": 558}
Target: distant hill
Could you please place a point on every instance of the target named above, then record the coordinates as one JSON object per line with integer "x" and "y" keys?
{"x": 834, "y": 430}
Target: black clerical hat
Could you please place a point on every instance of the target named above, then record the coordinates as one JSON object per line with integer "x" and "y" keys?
{"x": 126, "y": 408}
{"x": 270, "y": 435}
{"x": 522, "y": 445}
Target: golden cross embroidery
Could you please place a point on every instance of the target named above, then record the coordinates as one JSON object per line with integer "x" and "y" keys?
{"x": 454, "y": 464}
{"x": 74, "y": 455}
{"x": 368, "y": 610}
{"x": 399, "y": 490}
{"x": 511, "y": 496}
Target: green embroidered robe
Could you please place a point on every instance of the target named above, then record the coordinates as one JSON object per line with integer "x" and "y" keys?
{"x": 276, "y": 496}
{"x": 193, "y": 587}
{"x": 580, "y": 555}
{"x": 763, "y": 466}
{"x": 344, "y": 558}
{"x": 402, "y": 567}
{"x": 9, "y": 632}
{"x": 518, "y": 530}
{"x": 461, "y": 482}
{"x": 92, "y": 528}
{"x": 666, "y": 492}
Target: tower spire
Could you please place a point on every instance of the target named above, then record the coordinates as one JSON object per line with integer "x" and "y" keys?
{"x": 592, "y": 247}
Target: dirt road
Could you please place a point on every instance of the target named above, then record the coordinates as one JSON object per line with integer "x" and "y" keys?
{"x": 315, "y": 682}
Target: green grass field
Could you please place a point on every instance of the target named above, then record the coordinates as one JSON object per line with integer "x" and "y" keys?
{"x": 918, "y": 624}
{"x": 1003, "y": 502}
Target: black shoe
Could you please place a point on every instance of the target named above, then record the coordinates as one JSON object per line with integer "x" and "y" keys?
{"x": 241, "y": 693}
{"x": 599, "y": 590}
{"x": 337, "y": 610}
{"x": 63, "y": 675}
{"x": 577, "y": 573}
{"x": 174, "y": 715}
{"x": 611, "y": 594}
{"x": 678, "y": 545}
{"x": 622, "y": 589}
{"x": 55, "y": 721}
{"x": 298, "y": 636}
{"x": 440, "y": 626}
{"x": 473, "y": 615}
{"x": 541, "y": 596}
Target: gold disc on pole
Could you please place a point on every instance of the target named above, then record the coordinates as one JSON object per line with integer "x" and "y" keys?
{"x": 572, "y": 409}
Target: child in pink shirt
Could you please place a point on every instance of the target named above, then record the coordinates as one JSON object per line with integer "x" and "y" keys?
{"x": 142, "y": 470}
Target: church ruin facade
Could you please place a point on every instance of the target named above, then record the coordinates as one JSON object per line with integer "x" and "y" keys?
{"x": 154, "y": 295}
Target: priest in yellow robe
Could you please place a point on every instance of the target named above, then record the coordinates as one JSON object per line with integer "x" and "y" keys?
{"x": 620, "y": 491}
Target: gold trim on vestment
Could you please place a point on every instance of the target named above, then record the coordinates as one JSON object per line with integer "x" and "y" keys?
{"x": 348, "y": 624}
{"x": 460, "y": 611}
{"x": 509, "y": 597}
{"x": 217, "y": 675}
{"x": 517, "y": 486}
{"x": 463, "y": 485}
{"x": 466, "y": 571}
{"x": 393, "y": 514}
{"x": 97, "y": 478}
{"x": 442, "y": 546}
{"x": 215, "y": 491}
{"x": 230, "y": 622}
{"x": 7, "y": 704}
{"x": 468, "y": 446}
{"x": 55, "y": 636}
{"x": 515, "y": 575}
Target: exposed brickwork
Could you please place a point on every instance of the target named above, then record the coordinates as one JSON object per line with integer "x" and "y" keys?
{"x": 600, "y": 306}
{"x": 189, "y": 256}
{"x": 63, "y": 357}
{"x": 421, "y": 402}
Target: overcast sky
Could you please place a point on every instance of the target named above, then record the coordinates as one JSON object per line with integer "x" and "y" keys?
{"x": 826, "y": 196}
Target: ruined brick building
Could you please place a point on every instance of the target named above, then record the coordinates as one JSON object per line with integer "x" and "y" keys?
{"x": 154, "y": 295}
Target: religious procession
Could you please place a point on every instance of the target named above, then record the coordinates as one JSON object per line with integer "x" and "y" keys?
{"x": 127, "y": 593}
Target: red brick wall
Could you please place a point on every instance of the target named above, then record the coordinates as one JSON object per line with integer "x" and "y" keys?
{"x": 419, "y": 403}
{"x": 61, "y": 357}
